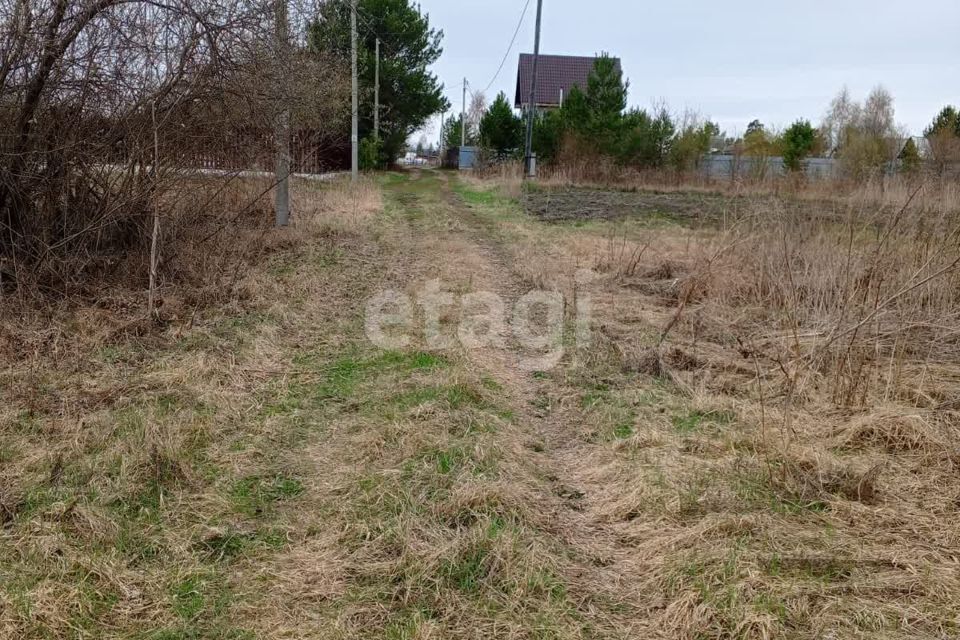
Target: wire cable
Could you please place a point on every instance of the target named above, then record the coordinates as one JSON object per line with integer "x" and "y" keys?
{"x": 513, "y": 41}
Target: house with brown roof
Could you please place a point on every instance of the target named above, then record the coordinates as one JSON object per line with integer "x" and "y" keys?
{"x": 556, "y": 76}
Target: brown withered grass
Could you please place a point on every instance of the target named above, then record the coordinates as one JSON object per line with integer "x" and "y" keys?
{"x": 135, "y": 454}
{"x": 760, "y": 440}
{"x": 775, "y": 399}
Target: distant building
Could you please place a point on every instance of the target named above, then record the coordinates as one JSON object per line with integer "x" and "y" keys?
{"x": 556, "y": 76}
{"x": 924, "y": 150}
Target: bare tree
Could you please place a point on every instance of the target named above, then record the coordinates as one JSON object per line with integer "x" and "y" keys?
{"x": 111, "y": 109}
{"x": 475, "y": 113}
{"x": 843, "y": 113}
{"x": 865, "y": 137}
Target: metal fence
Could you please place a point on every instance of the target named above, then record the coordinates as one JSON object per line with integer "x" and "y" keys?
{"x": 719, "y": 167}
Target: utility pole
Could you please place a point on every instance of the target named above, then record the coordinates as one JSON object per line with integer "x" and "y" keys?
{"x": 443, "y": 117}
{"x": 376, "y": 95}
{"x": 282, "y": 132}
{"x": 532, "y": 105}
{"x": 440, "y": 152}
{"x": 463, "y": 117}
{"x": 355, "y": 124}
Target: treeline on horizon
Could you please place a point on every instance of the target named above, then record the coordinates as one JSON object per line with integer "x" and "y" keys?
{"x": 595, "y": 122}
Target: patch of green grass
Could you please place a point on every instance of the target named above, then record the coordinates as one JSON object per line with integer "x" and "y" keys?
{"x": 611, "y": 411}
{"x": 455, "y": 397}
{"x": 28, "y": 422}
{"x": 818, "y": 569}
{"x": 285, "y": 399}
{"x": 255, "y": 495}
{"x": 468, "y": 569}
{"x": 393, "y": 179}
{"x": 196, "y": 341}
{"x": 383, "y": 498}
{"x": 338, "y": 381}
{"x": 129, "y": 421}
{"x": 485, "y": 197}
{"x": 757, "y": 492}
{"x": 592, "y": 399}
{"x": 495, "y": 205}
{"x": 35, "y": 500}
{"x": 137, "y": 543}
{"x": 327, "y": 259}
{"x": 345, "y": 374}
{"x": 283, "y": 266}
{"x": 188, "y": 596}
{"x": 658, "y": 219}
{"x": 450, "y": 461}
{"x": 96, "y": 599}
{"x": 544, "y": 582}
{"x": 623, "y": 430}
{"x": 490, "y": 384}
{"x": 168, "y": 404}
{"x": 770, "y": 604}
{"x": 690, "y": 422}
{"x": 144, "y": 504}
{"x": 232, "y": 543}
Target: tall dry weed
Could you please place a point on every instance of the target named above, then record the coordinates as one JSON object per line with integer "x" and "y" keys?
{"x": 852, "y": 305}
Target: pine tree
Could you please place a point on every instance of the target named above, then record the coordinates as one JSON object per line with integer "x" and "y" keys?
{"x": 910, "y": 157}
{"x": 548, "y": 131}
{"x": 409, "y": 93}
{"x": 798, "y": 141}
{"x": 606, "y": 96}
{"x": 501, "y": 129}
{"x": 753, "y": 128}
{"x": 452, "y": 133}
{"x": 596, "y": 114}
{"x": 947, "y": 121}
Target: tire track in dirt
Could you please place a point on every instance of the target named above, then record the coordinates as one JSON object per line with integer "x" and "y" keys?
{"x": 562, "y": 455}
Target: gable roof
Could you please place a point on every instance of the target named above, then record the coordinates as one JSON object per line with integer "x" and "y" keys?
{"x": 924, "y": 150}
{"x": 556, "y": 76}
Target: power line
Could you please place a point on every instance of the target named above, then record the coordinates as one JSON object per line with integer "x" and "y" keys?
{"x": 530, "y": 162}
{"x": 513, "y": 41}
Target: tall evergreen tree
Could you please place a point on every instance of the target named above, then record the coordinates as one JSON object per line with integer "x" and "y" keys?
{"x": 596, "y": 113}
{"x": 910, "y": 157}
{"x": 409, "y": 93}
{"x": 948, "y": 120}
{"x": 645, "y": 140}
{"x": 576, "y": 111}
{"x": 452, "y": 133}
{"x": 548, "y": 132}
{"x": 798, "y": 141}
{"x": 501, "y": 129}
{"x": 606, "y": 95}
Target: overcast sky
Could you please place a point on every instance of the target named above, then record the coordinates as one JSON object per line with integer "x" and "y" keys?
{"x": 732, "y": 61}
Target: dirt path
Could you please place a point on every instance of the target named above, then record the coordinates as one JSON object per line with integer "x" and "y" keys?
{"x": 469, "y": 249}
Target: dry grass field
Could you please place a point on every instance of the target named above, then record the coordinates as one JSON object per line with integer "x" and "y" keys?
{"x": 760, "y": 440}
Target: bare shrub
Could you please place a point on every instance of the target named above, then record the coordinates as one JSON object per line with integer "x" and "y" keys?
{"x": 849, "y": 305}
{"x": 121, "y": 118}
{"x": 620, "y": 256}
